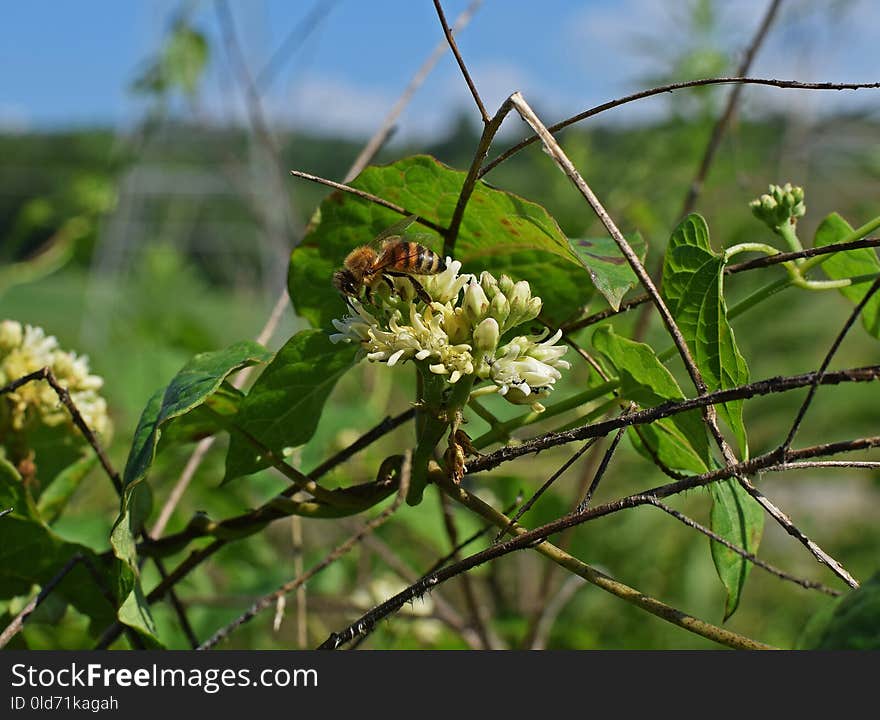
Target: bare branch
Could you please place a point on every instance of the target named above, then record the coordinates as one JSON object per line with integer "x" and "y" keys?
{"x": 382, "y": 134}
{"x": 270, "y": 599}
{"x": 754, "y": 559}
{"x": 642, "y": 417}
{"x": 791, "y": 84}
{"x": 733, "y": 99}
{"x": 760, "y": 262}
{"x": 369, "y": 197}
{"x": 19, "y": 620}
{"x": 460, "y": 60}
{"x": 470, "y": 596}
{"x": 541, "y": 490}
{"x": 64, "y": 396}
{"x": 857, "y": 310}
{"x": 536, "y": 539}
{"x": 294, "y": 39}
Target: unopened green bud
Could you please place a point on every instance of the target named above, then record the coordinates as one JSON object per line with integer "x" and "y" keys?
{"x": 486, "y": 335}
{"x": 505, "y": 284}
{"x": 780, "y": 206}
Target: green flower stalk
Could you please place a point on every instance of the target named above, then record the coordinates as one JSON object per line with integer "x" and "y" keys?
{"x": 456, "y": 341}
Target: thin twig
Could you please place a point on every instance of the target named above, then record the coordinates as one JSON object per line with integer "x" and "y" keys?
{"x": 189, "y": 470}
{"x": 723, "y": 121}
{"x": 600, "y": 472}
{"x": 294, "y": 39}
{"x": 382, "y": 428}
{"x": 537, "y": 539}
{"x": 473, "y": 174}
{"x": 541, "y": 490}
{"x": 752, "y": 558}
{"x": 18, "y": 621}
{"x": 460, "y": 60}
{"x": 667, "y": 409}
{"x": 179, "y": 610}
{"x": 467, "y": 587}
{"x": 857, "y": 310}
{"x": 550, "y": 611}
{"x": 562, "y": 161}
{"x": 64, "y": 396}
{"x": 384, "y": 131}
{"x": 443, "y": 608}
{"x": 789, "y": 84}
{"x": 761, "y": 262}
{"x": 369, "y": 197}
{"x": 270, "y": 599}
{"x": 821, "y": 464}
{"x": 194, "y": 559}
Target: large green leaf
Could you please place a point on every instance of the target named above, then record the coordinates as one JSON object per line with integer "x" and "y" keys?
{"x": 678, "y": 442}
{"x": 693, "y": 289}
{"x": 500, "y": 232}
{"x": 190, "y": 388}
{"x": 851, "y": 623}
{"x": 736, "y": 517}
{"x": 851, "y": 264}
{"x": 32, "y": 554}
{"x": 284, "y": 406}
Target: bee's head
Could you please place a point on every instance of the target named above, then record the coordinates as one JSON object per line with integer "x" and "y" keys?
{"x": 344, "y": 281}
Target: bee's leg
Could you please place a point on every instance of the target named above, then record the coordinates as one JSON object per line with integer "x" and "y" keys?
{"x": 417, "y": 286}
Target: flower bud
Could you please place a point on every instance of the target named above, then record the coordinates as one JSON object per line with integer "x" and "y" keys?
{"x": 779, "y": 206}
{"x": 476, "y": 304}
{"x": 505, "y": 284}
{"x": 11, "y": 334}
{"x": 499, "y": 309}
{"x": 486, "y": 335}
{"x": 489, "y": 285}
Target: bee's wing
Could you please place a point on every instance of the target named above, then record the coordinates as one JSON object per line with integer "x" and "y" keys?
{"x": 396, "y": 229}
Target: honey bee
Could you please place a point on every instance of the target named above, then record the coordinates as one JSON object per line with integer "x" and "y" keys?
{"x": 389, "y": 254}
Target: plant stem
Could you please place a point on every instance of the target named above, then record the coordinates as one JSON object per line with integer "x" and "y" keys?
{"x": 501, "y": 431}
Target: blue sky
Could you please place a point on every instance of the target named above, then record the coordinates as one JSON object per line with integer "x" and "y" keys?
{"x": 64, "y": 63}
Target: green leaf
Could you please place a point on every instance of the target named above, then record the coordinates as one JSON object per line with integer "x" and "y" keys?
{"x": 736, "y": 517}
{"x": 200, "y": 378}
{"x": 679, "y": 442}
{"x": 611, "y": 273}
{"x": 851, "y": 623}
{"x": 500, "y": 232}
{"x": 851, "y": 263}
{"x": 284, "y": 406}
{"x": 32, "y": 554}
{"x": 694, "y": 292}
{"x": 54, "y": 498}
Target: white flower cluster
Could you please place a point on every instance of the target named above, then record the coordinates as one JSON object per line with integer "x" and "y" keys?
{"x": 26, "y": 349}
{"x": 458, "y": 333}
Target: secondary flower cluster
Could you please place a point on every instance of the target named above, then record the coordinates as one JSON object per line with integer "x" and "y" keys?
{"x": 26, "y": 349}
{"x": 458, "y": 333}
{"x": 779, "y": 206}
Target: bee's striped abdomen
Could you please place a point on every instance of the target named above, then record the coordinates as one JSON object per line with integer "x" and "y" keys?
{"x": 412, "y": 258}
